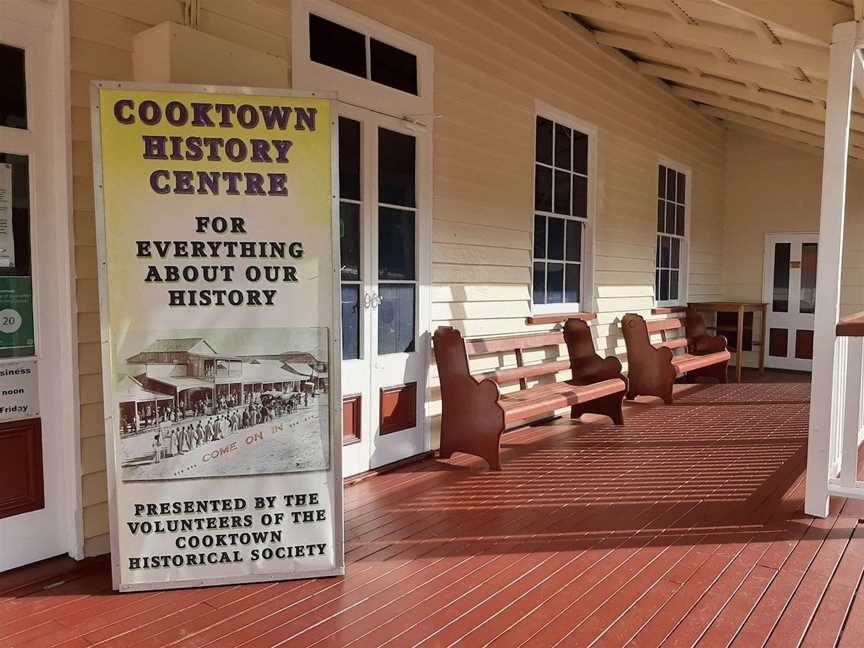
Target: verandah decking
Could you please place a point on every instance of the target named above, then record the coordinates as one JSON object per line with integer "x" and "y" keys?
{"x": 683, "y": 528}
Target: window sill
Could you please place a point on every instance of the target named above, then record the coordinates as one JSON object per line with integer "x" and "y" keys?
{"x": 559, "y": 318}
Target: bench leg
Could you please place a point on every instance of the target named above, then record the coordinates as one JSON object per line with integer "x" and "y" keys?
{"x": 480, "y": 440}
{"x": 663, "y": 390}
{"x": 611, "y": 406}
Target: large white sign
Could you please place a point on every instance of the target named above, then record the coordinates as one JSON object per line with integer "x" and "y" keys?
{"x": 221, "y": 363}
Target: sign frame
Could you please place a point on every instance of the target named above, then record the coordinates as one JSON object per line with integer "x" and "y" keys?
{"x": 334, "y": 338}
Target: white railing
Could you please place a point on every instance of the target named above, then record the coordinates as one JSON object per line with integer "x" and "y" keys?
{"x": 846, "y": 409}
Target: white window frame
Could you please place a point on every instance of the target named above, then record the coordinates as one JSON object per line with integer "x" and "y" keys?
{"x": 684, "y": 259}
{"x": 555, "y": 115}
{"x": 308, "y": 75}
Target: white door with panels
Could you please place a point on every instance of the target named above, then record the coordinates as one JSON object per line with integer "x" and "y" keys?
{"x": 383, "y": 227}
{"x": 790, "y": 291}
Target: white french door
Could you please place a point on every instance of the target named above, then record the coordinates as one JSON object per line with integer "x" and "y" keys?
{"x": 383, "y": 193}
{"x": 38, "y": 493}
{"x": 790, "y": 291}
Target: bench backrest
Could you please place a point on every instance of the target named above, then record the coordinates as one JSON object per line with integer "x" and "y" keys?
{"x": 691, "y": 327}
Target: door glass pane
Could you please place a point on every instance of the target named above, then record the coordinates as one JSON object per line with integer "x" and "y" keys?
{"x": 336, "y": 46}
{"x": 13, "y": 88}
{"x": 395, "y": 244}
{"x": 350, "y": 321}
{"x": 396, "y": 318}
{"x": 349, "y": 159}
{"x": 396, "y": 168}
{"x": 17, "y": 337}
{"x": 393, "y": 67}
{"x": 349, "y": 240}
{"x": 780, "y": 299}
{"x": 809, "y": 253}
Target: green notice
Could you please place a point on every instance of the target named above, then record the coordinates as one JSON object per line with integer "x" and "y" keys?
{"x": 16, "y": 317}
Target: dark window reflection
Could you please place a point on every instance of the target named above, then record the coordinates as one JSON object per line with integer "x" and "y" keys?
{"x": 349, "y": 240}
{"x": 350, "y": 322}
{"x": 396, "y": 318}
{"x": 349, "y": 159}
{"x": 13, "y": 88}
{"x": 336, "y": 46}
{"x": 396, "y": 168}
{"x": 393, "y": 67}
{"x": 396, "y": 244}
{"x": 780, "y": 297}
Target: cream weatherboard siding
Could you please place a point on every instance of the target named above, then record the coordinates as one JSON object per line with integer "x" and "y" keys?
{"x": 493, "y": 60}
{"x": 774, "y": 187}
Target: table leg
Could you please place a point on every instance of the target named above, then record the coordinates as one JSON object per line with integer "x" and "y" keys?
{"x": 739, "y": 344}
{"x": 764, "y": 340}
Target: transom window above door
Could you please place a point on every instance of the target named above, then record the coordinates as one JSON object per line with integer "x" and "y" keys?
{"x": 562, "y": 211}
{"x": 366, "y": 62}
{"x": 670, "y": 278}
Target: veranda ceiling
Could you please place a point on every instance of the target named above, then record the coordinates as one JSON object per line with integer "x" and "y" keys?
{"x": 754, "y": 64}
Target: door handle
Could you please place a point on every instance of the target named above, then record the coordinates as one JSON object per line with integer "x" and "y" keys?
{"x": 372, "y": 300}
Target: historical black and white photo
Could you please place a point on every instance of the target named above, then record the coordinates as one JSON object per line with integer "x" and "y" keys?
{"x": 223, "y": 402}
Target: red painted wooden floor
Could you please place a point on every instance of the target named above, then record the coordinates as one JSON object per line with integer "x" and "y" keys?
{"x": 684, "y": 528}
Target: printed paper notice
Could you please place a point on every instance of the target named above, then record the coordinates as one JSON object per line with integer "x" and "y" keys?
{"x": 7, "y": 240}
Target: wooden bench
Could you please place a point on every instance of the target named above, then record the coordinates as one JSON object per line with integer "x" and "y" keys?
{"x": 474, "y": 411}
{"x": 653, "y": 368}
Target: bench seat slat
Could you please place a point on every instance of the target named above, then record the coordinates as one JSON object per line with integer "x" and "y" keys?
{"x": 508, "y": 344}
{"x": 687, "y": 362}
{"x": 677, "y": 343}
{"x": 543, "y": 399}
{"x": 657, "y": 326}
{"x": 512, "y": 374}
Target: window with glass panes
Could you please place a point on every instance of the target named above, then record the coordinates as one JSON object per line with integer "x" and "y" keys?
{"x": 560, "y": 214}
{"x": 671, "y": 235}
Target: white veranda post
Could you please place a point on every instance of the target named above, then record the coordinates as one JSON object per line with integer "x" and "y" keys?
{"x": 834, "y": 421}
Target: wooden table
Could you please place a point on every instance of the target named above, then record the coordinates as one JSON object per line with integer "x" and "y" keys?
{"x": 740, "y": 308}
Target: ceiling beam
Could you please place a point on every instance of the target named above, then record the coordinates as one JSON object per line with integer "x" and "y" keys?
{"x": 802, "y": 107}
{"x": 708, "y": 63}
{"x": 806, "y": 124}
{"x": 738, "y": 42}
{"x": 813, "y": 18}
{"x": 773, "y": 129}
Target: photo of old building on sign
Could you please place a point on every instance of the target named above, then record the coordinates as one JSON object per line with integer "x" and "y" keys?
{"x": 223, "y": 402}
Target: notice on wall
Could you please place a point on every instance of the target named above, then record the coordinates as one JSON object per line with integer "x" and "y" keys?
{"x": 19, "y": 390}
{"x": 217, "y": 289}
{"x": 7, "y": 234}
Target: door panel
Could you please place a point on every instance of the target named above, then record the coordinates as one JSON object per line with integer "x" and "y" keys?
{"x": 790, "y": 291}
{"x": 383, "y": 367}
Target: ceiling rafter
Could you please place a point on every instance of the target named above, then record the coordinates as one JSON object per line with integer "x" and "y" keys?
{"x": 814, "y": 18}
{"x": 738, "y": 42}
{"x": 763, "y": 62}
{"x": 764, "y": 76}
